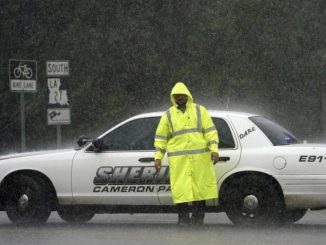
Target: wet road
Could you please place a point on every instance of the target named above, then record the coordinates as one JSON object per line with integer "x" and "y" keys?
{"x": 148, "y": 229}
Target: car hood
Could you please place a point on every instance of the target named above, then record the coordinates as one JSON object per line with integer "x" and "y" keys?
{"x": 33, "y": 153}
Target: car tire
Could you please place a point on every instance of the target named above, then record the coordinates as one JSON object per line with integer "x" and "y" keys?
{"x": 290, "y": 216}
{"x": 75, "y": 214}
{"x": 27, "y": 200}
{"x": 252, "y": 200}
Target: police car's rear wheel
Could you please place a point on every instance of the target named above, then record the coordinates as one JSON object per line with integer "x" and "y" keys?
{"x": 27, "y": 201}
{"x": 252, "y": 200}
{"x": 75, "y": 214}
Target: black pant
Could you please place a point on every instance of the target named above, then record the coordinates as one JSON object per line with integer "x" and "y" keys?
{"x": 198, "y": 212}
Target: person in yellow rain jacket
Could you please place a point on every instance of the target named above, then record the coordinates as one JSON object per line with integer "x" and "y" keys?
{"x": 187, "y": 133}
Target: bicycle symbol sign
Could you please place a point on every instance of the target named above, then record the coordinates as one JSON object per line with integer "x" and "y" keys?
{"x": 23, "y": 71}
{"x": 22, "y": 75}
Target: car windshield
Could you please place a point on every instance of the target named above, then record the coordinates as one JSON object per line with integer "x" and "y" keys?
{"x": 274, "y": 132}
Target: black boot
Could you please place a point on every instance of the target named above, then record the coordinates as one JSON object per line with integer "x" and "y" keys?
{"x": 183, "y": 214}
{"x": 198, "y": 212}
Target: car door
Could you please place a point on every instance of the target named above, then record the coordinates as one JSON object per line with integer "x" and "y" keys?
{"x": 229, "y": 147}
{"x": 229, "y": 152}
{"x": 123, "y": 171}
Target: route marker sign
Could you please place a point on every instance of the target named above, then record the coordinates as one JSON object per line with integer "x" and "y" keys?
{"x": 58, "y": 116}
{"x": 57, "y": 68}
{"x": 58, "y": 94}
{"x": 58, "y": 112}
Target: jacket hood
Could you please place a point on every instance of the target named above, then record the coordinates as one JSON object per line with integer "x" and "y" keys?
{"x": 180, "y": 88}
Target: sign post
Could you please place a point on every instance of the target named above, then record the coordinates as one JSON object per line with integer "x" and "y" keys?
{"x": 22, "y": 79}
{"x": 22, "y": 122}
{"x": 58, "y": 111}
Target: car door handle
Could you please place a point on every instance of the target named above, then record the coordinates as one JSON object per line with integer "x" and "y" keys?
{"x": 146, "y": 159}
{"x": 224, "y": 159}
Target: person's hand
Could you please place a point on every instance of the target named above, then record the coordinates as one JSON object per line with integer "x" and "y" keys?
{"x": 214, "y": 157}
{"x": 158, "y": 164}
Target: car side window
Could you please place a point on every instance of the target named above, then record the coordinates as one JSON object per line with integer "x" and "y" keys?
{"x": 226, "y": 140}
{"x": 134, "y": 135}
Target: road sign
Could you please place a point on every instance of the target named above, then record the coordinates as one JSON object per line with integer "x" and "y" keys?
{"x": 58, "y": 93}
{"x": 58, "y": 107}
{"x": 57, "y": 68}
{"x": 58, "y": 116}
{"x": 22, "y": 75}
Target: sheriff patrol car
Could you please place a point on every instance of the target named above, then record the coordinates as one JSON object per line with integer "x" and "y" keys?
{"x": 265, "y": 174}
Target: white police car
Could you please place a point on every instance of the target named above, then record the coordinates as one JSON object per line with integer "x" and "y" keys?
{"x": 265, "y": 175}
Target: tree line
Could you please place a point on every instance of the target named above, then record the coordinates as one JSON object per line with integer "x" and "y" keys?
{"x": 259, "y": 56}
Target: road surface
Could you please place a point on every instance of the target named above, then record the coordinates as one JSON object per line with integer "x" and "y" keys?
{"x": 148, "y": 229}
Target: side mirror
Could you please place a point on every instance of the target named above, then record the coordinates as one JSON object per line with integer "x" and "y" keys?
{"x": 82, "y": 140}
{"x": 98, "y": 145}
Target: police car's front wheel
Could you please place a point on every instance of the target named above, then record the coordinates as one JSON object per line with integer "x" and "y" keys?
{"x": 27, "y": 200}
{"x": 253, "y": 200}
{"x": 75, "y": 214}
{"x": 289, "y": 216}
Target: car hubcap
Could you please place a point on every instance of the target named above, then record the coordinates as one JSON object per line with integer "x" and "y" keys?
{"x": 23, "y": 201}
{"x": 250, "y": 202}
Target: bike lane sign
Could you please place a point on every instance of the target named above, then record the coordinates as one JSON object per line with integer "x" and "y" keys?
{"x": 23, "y": 75}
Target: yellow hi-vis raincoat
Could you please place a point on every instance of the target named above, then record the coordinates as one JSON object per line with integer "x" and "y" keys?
{"x": 188, "y": 138}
